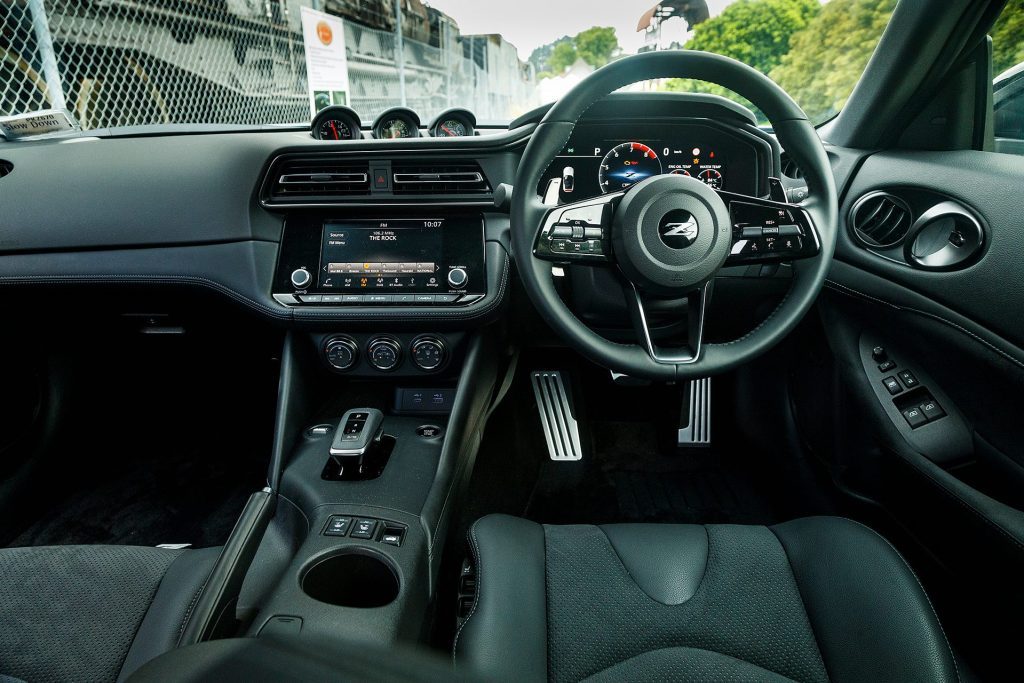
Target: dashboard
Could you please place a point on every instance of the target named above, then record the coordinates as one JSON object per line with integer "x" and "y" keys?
{"x": 350, "y": 229}
{"x": 608, "y": 157}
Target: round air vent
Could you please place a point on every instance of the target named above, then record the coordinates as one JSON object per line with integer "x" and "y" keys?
{"x": 880, "y": 219}
{"x": 790, "y": 169}
{"x": 5, "y": 167}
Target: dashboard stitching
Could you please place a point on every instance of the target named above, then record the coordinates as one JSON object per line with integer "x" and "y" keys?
{"x": 842, "y": 289}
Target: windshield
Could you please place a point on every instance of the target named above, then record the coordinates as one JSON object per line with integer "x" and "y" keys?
{"x": 249, "y": 62}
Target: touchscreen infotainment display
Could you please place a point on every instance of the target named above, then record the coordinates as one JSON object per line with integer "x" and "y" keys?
{"x": 393, "y": 254}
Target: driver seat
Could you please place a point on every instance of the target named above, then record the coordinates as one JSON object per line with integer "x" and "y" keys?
{"x": 814, "y": 599}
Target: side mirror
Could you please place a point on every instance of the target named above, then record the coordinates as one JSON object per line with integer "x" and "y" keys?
{"x": 1008, "y": 103}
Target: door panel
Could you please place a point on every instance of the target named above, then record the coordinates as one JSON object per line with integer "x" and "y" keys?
{"x": 957, "y": 481}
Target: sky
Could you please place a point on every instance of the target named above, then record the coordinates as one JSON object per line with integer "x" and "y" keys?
{"x": 528, "y": 24}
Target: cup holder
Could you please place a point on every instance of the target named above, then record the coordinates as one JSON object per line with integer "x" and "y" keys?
{"x": 351, "y": 579}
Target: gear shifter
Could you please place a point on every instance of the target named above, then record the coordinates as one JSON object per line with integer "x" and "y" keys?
{"x": 358, "y": 429}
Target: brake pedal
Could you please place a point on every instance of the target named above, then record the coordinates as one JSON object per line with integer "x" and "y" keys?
{"x": 556, "y": 416}
{"x": 695, "y": 431}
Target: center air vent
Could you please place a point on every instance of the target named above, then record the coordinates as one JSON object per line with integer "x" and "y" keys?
{"x": 425, "y": 178}
{"x": 880, "y": 219}
{"x": 314, "y": 178}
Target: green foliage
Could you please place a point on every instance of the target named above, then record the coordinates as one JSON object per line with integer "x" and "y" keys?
{"x": 1008, "y": 38}
{"x": 596, "y": 46}
{"x": 541, "y": 56}
{"x": 755, "y": 32}
{"x": 828, "y": 56}
{"x": 562, "y": 56}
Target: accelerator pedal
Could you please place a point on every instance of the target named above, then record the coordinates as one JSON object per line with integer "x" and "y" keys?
{"x": 695, "y": 416}
{"x": 556, "y": 415}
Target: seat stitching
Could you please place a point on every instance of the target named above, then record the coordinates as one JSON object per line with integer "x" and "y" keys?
{"x": 686, "y": 647}
{"x": 622, "y": 564}
{"x": 191, "y": 607}
{"x": 803, "y": 604}
{"x": 927, "y": 599}
{"x": 478, "y": 561}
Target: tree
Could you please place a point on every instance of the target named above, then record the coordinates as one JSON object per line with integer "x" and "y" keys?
{"x": 827, "y": 57}
{"x": 563, "y": 56}
{"x": 755, "y": 32}
{"x": 596, "y": 46}
{"x": 541, "y": 56}
{"x": 1008, "y": 38}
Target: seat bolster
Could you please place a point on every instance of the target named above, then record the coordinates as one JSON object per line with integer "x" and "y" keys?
{"x": 505, "y": 636}
{"x": 171, "y": 607}
{"x": 869, "y": 613}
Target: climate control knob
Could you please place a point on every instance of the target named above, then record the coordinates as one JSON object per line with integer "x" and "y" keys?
{"x": 301, "y": 278}
{"x": 384, "y": 353}
{"x": 457, "y": 277}
{"x": 341, "y": 352}
{"x": 428, "y": 353}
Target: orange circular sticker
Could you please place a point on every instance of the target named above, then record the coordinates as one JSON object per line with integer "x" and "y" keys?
{"x": 324, "y": 32}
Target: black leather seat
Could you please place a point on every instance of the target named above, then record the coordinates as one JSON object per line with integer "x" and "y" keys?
{"x": 94, "y": 613}
{"x": 814, "y": 599}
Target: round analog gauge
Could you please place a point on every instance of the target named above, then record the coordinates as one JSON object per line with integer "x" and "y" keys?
{"x": 711, "y": 177}
{"x": 392, "y": 129}
{"x": 335, "y": 129}
{"x": 451, "y": 128}
{"x": 680, "y": 171}
{"x": 626, "y": 165}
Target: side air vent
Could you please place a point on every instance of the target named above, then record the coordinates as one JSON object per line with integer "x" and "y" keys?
{"x": 790, "y": 169}
{"x": 425, "y": 178}
{"x": 313, "y": 178}
{"x": 5, "y": 167}
{"x": 880, "y": 219}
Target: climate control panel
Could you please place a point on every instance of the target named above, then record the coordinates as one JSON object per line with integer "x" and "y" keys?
{"x": 380, "y": 354}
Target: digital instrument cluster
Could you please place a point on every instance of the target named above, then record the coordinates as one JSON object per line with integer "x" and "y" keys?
{"x": 602, "y": 158}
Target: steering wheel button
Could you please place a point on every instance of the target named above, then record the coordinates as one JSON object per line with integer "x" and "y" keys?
{"x": 593, "y": 233}
{"x": 789, "y": 231}
{"x": 590, "y": 215}
{"x": 770, "y": 230}
{"x": 561, "y": 231}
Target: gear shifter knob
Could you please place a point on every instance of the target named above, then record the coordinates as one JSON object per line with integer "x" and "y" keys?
{"x": 357, "y": 430}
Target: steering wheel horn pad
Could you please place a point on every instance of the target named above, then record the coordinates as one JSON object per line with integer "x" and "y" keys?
{"x": 671, "y": 234}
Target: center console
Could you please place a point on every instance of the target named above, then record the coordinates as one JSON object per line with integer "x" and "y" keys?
{"x": 403, "y": 259}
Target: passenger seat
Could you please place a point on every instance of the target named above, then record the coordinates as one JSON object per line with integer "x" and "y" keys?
{"x": 94, "y": 613}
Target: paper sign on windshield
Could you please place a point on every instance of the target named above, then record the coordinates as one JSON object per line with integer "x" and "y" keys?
{"x": 326, "y": 67}
{"x": 45, "y": 122}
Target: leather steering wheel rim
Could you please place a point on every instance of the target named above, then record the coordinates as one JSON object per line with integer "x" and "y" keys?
{"x": 794, "y": 132}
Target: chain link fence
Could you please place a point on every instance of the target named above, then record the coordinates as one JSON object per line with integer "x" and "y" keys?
{"x": 137, "y": 62}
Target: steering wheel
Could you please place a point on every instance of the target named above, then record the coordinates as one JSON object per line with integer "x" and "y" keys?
{"x": 669, "y": 235}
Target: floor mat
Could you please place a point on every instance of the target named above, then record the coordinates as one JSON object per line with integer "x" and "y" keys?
{"x": 172, "y": 499}
{"x": 633, "y": 477}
